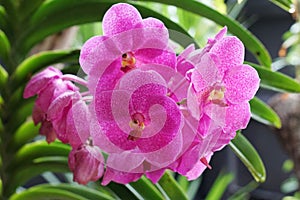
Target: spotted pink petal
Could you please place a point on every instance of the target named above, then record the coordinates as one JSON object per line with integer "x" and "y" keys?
{"x": 119, "y": 176}
{"x": 136, "y": 79}
{"x": 39, "y": 81}
{"x": 130, "y": 161}
{"x": 59, "y": 103}
{"x": 98, "y": 53}
{"x": 38, "y": 115}
{"x": 176, "y": 83}
{"x": 86, "y": 163}
{"x": 165, "y": 57}
{"x": 241, "y": 83}
{"x": 237, "y": 117}
{"x": 223, "y": 140}
{"x": 183, "y": 62}
{"x": 198, "y": 169}
{"x": 86, "y": 61}
{"x": 120, "y": 17}
{"x": 60, "y": 125}
{"x": 78, "y": 129}
{"x": 188, "y": 159}
{"x": 230, "y": 51}
{"x": 193, "y": 103}
{"x": 48, "y": 131}
{"x": 155, "y": 175}
{"x": 206, "y": 72}
{"x": 217, "y": 38}
{"x": 166, "y": 155}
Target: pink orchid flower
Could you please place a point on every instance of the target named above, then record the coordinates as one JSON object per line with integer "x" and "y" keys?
{"x": 87, "y": 163}
{"x": 53, "y": 102}
{"x": 128, "y": 42}
{"x": 221, "y": 86}
{"x": 139, "y": 122}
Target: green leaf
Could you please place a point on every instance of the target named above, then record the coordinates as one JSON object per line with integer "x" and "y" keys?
{"x": 122, "y": 191}
{"x": 220, "y": 184}
{"x": 41, "y": 193}
{"x": 264, "y": 113}
{"x": 193, "y": 188}
{"x": 38, "y": 149}
{"x": 249, "y": 156}
{"x": 39, "y": 61}
{"x": 26, "y": 132}
{"x": 3, "y": 17}
{"x": 146, "y": 189}
{"x": 5, "y": 46}
{"x": 26, "y": 8}
{"x": 3, "y": 77}
{"x": 285, "y": 4}
{"x": 183, "y": 182}
{"x": 171, "y": 187}
{"x": 80, "y": 190}
{"x": 26, "y": 172}
{"x": 51, "y": 18}
{"x": 249, "y": 40}
{"x": 275, "y": 80}
{"x": 243, "y": 192}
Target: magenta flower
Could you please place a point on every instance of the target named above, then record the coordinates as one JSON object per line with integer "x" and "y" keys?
{"x": 128, "y": 42}
{"x": 54, "y": 99}
{"x": 222, "y": 85}
{"x": 139, "y": 122}
{"x": 87, "y": 163}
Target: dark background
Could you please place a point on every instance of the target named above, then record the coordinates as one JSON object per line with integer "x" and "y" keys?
{"x": 269, "y": 24}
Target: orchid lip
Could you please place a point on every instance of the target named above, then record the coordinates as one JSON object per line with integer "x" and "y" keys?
{"x": 137, "y": 125}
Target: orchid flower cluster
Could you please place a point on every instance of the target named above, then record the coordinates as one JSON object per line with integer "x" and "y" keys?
{"x": 145, "y": 109}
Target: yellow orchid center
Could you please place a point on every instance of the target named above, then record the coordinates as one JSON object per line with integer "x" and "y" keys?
{"x": 217, "y": 94}
{"x": 128, "y": 62}
{"x": 137, "y": 125}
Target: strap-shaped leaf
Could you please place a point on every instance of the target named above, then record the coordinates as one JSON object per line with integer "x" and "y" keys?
{"x": 264, "y": 113}
{"x": 51, "y": 17}
{"x": 39, "y": 61}
{"x": 44, "y": 193}
{"x": 26, "y": 132}
{"x": 38, "y": 149}
{"x": 249, "y": 40}
{"x": 171, "y": 187}
{"x": 80, "y": 190}
{"x": 26, "y": 8}
{"x": 3, "y": 77}
{"x": 25, "y": 173}
{"x": 3, "y": 22}
{"x": 275, "y": 80}
{"x": 285, "y": 4}
{"x": 122, "y": 191}
{"x": 5, "y": 46}
{"x": 249, "y": 156}
{"x": 146, "y": 189}
{"x": 219, "y": 186}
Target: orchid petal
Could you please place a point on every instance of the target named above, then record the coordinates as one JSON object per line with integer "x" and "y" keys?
{"x": 230, "y": 51}
{"x": 119, "y": 176}
{"x": 40, "y": 81}
{"x": 241, "y": 83}
{"x": 237, "y": 117}
{"x": 120, "y": 17}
